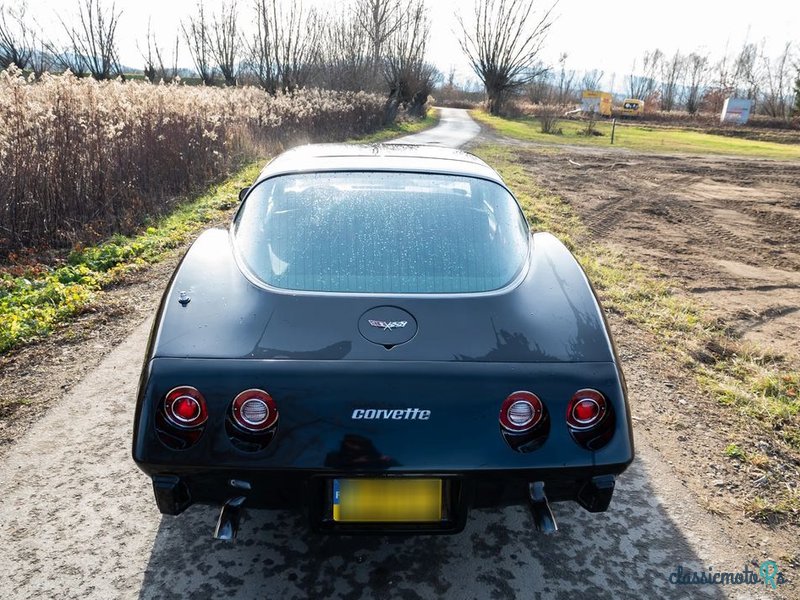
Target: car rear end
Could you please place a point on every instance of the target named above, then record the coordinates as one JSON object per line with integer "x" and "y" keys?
{"x": 385, "y": 349}
{"x": 459, "y": 426}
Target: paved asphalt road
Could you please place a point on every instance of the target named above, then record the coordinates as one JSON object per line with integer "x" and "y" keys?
{"x": 78, "y": 521}
{"x": 455, "y": 129}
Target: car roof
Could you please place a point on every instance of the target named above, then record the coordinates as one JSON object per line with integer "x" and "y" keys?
{"x": 313, "y": 158}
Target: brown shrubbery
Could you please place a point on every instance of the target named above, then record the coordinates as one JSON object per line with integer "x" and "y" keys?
{"x": 80, "y": 159}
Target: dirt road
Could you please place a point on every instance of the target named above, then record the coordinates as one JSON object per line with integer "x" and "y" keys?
{"x": 78, "y": 520}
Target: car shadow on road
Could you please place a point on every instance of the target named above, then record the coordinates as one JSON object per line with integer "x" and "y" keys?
{"x": 628, "y": 552}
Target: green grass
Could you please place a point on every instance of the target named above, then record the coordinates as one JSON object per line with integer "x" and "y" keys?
{"x": 34, "y": 300}
{"x": 775, "y": 511}
{"x": 400, "y": 128}
{"x": 637, "y": 137}
{"x": 734, "y": 451}
{"x": 759, "y": 387}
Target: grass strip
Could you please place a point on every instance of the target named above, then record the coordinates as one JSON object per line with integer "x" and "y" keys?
{"x": 400, "y": 128}
{"x": 638, "y": 137}
{"x": 35, "y": 299}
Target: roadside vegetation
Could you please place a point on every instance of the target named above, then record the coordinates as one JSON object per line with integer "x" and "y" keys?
{"x": 34, "y": 299}
{"x": 637, "y": 137}
{"x": 400, "y": 127}
{"x": 761, "y": 390}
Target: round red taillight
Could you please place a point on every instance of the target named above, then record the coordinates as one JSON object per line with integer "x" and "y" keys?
{"x": 521, "y": 411}
{"x": 586, "y": 409}
{"x": 254, "y": 410}
{"x": 185, "y": 407}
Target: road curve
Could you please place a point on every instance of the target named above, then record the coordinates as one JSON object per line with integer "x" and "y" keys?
{"x": 78, "y": 521}
{"x": 455, "y": 128}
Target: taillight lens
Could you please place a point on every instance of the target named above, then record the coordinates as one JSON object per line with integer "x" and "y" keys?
{"x": 521, "y": 411}
{"x": 586, "y": 409}
{"x": 185, "y": 407}
{"x": 254, "y": 410}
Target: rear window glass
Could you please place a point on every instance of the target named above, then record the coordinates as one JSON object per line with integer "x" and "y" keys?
{"x": 385, "y": 233}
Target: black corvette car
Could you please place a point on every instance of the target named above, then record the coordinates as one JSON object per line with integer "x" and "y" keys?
{"x": 379, "y": 340}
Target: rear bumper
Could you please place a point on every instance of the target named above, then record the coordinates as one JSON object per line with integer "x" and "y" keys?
{"x": 318, "y": 439}
{"x": 312, "y": 493}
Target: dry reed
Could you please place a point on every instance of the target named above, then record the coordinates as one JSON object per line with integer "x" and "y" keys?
{"x": 81, "y": 159}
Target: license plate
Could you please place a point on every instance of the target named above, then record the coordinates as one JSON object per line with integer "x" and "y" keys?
{"x": 398, "y": 500}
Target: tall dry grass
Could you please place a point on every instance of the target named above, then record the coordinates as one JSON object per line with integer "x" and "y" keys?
{"x": 80, "y": 159}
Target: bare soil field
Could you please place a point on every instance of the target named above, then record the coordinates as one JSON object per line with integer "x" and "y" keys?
{"x": 726, "y": 229}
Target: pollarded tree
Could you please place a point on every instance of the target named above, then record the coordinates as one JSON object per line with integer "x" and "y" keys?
{"x": 226, "y": 41}
{"x": 197, "y": 33}
{"x": 345, "y": 59}
{"x": 409, "y": 77}
{"x": 673, "y": 72}
{"x": 95, "y": 39}
{"x": 503, "y": 45}
{"x": 643, "y": 83}
{"x": 283, "y": 51}
{"x": 155, "y": 68}
{"x": 379, "y": 19}
{"x": 697, "y": 71}
{"x": 777, "y": 84}
{"x": 592, "y": 80}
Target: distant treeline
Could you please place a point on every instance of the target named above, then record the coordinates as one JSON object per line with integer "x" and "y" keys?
{"x": 369, "y": 45}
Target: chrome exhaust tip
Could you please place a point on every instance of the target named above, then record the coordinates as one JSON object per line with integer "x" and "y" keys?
{"x": 230, "y": 516}
{"x": 543, "y": 517}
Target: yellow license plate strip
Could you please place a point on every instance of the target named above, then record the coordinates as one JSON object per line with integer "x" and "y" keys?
{"x": 388, "y": 500}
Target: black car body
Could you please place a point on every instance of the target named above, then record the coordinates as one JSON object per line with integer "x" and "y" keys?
{"x": 304, "y": 359}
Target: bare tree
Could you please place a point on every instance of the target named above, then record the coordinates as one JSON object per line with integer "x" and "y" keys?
{"x": 592, "y": 79}
{"x": 643, "y": 84}
{"x": 777, "y": 97}
{"x": 379, "y": 19}
{"x": 196, "y": 33}
{"x": 149, "y": 56}
{"x": 67, "y": 57}
{"x": 746, "y": 78}
{"x": 41, "y": 60}
{"x": 155, "y": 68}
{"x": 94, "y": 41}
{"x": 540, "y": 90}
{"x": 409, "y": 77}
{"x": 226, "y": 42}
{"x": 565, "y": 85}
{"x": 345, "y": 57}
{"x": 17, "y": 40}
{"x": 503, "y": 46}
{"x": 673, "y": 72}
{"x": 697, "y": 69}
{"x": 284, "y": 47}
{"x": 263, "y": 60}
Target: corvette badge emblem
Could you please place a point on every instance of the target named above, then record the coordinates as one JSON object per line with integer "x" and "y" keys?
{"x": 388, "y": 326}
